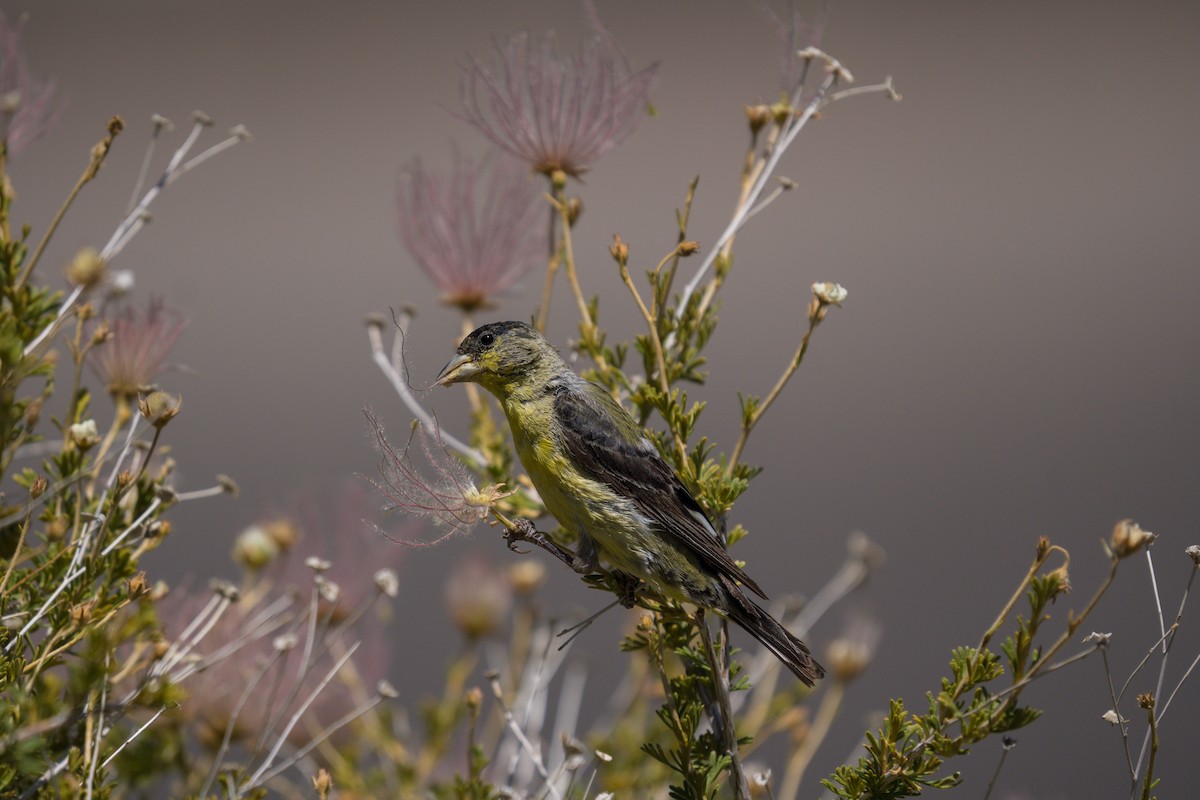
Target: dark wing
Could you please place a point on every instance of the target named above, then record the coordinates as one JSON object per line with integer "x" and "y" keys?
{"x": 609, "y": 447}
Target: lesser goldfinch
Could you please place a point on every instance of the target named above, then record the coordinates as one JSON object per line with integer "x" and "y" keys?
{"x": 605, "y": 481}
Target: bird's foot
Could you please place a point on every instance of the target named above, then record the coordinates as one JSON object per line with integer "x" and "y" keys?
{"x": 628, "y": 584}
{"x": 525, "y": 531}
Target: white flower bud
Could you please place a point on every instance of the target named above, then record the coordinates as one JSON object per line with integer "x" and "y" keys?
{"x": 831, "y": 294}
{"x": 84, "y": 434}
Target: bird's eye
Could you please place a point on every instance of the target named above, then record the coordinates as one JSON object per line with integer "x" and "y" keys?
{"x": 487, "y": 339}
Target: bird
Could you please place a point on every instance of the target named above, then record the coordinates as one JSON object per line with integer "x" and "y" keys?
{"x": 605, "y": 481}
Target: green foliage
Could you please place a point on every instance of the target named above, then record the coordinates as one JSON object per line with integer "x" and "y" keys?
{"x": 907, "y": 753}
{"x": 79, "y": 615}
{"x": 695, "y": 756}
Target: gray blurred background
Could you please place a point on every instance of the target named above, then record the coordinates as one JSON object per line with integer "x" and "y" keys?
{"x": 1017, "y": 356}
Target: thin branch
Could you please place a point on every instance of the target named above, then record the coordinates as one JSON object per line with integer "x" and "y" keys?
{"x": 831, "y": 702}
{"x": 535, "y": 757}
{"x": 1008, "y": 745}
{"x": 791, "y": 129}
{"x": 719, "y": 670}
{"x": 136, "y": 734}
{"x": 253, "y": 780}
{"x": 98, "y": 154}
{"x": 1191, "y": 668}
{"x": 753, "y": 419}
{"x": 1121, "y": 723}
{"x": 621, "y": 253}
{"x": 398, "y": 377}
{"x": 233, "y": 717}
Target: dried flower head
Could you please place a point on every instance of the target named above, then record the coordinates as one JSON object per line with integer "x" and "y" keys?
{"x": 1128, "y": 537}
{"x": 137, "y": 348}
{"x": 475, "y": 229}
{"x": 329, "y": 591}
{"x": 27, "y": 106}
{"x": 159, "y": 408}
{"x": 1062, "y": 581}
{"x": 553, "y": 112}
{"x": 441, "y": 490}
{"x": 849, "y": 654}
{"x": 479, "y": 597}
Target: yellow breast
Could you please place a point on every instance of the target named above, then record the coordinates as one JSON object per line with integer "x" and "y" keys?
{"x": 581, "y": 505}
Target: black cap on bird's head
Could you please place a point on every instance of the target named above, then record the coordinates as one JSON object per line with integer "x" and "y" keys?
{"x": 494, "y": 353}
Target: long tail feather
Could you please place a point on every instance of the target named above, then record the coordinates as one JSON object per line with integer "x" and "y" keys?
{"x": 794, "y": 654}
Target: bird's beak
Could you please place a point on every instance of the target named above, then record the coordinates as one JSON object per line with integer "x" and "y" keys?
{"x": 461, "y": 368}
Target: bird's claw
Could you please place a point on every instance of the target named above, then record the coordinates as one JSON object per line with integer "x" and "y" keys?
{"x": 628, "y": 585}
{"x": 524, "y": 530}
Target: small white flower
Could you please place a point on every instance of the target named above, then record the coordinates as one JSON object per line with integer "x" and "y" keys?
{"x": 285, "y": 642}
{"x": 832, "y": 294}
{"x": 329, "y": 591}
{"x": 387, "y": 582}
{"x": 121, "y": 282}
{"x": 1112, "y": 718}
{"x": 317, "y": 564}
{"x": 84, "y": 434}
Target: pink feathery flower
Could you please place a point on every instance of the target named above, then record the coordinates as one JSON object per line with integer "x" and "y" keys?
{"x": 795, "y": 33}
{"x": 551, "y": 111}
{"x": 475, "y": 229}
{"x": 137, "y": 345}
{"x": 27, "y": 106}
{"x": 422, "y": 479}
